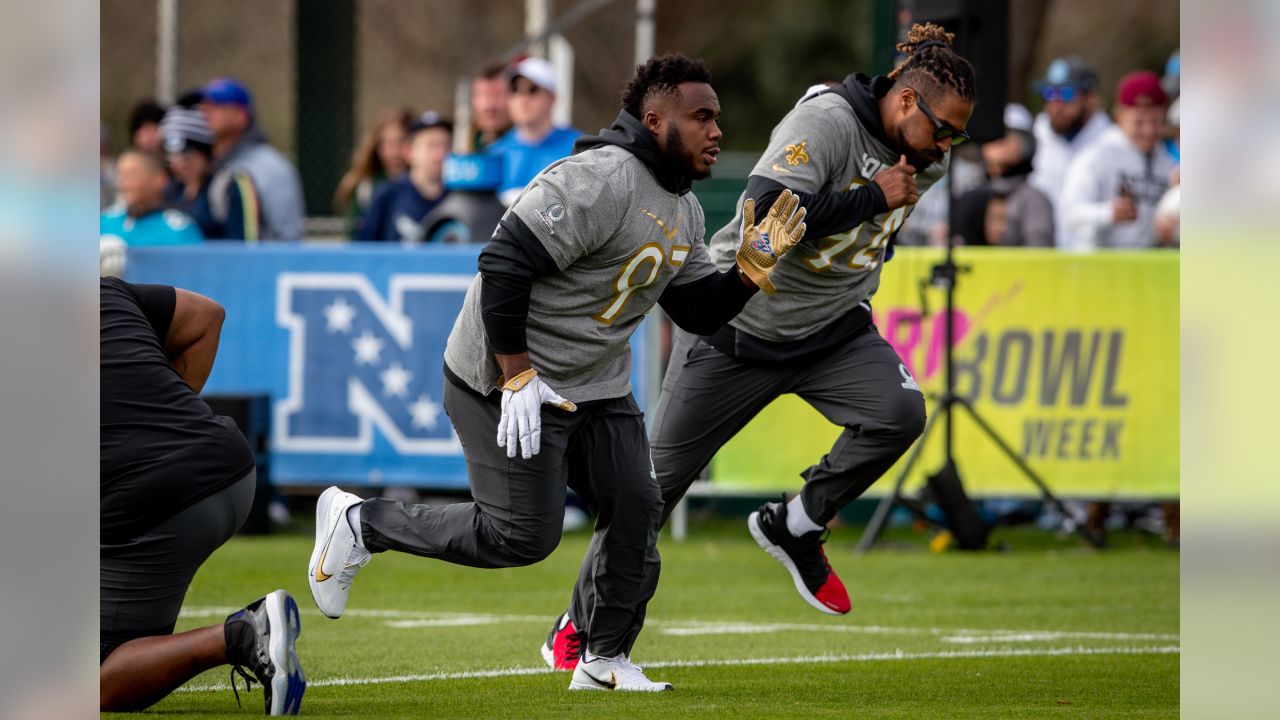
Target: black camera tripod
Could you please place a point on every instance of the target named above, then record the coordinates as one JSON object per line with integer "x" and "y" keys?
{"x": 945, "y": 275}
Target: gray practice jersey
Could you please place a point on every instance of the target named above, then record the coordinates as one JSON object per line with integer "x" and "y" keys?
{"x": 619, "y": 238}
{"x": 820, "y": 147}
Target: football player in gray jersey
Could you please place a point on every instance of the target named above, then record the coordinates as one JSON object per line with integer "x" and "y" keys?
{"x": 859, "y": 156}
{"x": 589, "y": 247}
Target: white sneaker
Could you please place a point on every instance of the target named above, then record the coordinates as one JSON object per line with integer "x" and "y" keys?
{"x": 337, "y": 556}
{"x": 619, "y": 673}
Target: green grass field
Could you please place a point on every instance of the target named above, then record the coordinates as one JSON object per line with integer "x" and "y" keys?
{"x": 1046, "y": 629}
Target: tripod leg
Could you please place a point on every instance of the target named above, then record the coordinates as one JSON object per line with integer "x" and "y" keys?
{"x": 1013, "y": 455}
{"x": 881, "y": 515}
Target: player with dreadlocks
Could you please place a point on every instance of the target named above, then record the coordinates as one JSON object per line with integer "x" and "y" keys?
{"x": 859, "y": 155}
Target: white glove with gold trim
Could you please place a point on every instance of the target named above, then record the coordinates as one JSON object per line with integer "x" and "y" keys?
{"x": 521, "y": 421}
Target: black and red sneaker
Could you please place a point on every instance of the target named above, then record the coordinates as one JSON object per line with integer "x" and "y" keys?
{"x": 802, "y": 556}
{"x": 563, "y": 646}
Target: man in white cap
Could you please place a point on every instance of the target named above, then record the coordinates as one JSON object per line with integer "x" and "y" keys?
{"x": 534, "y": 142}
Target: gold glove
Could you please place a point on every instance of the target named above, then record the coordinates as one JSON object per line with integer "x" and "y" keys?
{"x": 764, "y": 244}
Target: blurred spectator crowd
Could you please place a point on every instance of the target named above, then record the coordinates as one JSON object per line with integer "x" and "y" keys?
{"x": 1074, "y": 177}
{"x": 203, "y": 169}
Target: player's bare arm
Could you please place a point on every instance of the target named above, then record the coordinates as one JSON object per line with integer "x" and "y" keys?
{"x": 192, "y": 341}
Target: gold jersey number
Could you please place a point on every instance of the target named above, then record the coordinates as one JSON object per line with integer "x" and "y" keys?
{"x": 867, "y": 251}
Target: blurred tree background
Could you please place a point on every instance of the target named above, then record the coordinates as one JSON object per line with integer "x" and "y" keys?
{"x": 762, "y": 54}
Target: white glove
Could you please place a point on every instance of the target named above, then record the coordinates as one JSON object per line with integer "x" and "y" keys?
{"x": 521, "y": 422}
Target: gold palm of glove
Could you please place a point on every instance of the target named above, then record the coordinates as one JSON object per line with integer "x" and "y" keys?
{"x": 764, "y": 244}
{"x": 518, "y": 382}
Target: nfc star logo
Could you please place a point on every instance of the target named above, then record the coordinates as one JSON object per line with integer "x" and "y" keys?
{"x": 357, "y": 362}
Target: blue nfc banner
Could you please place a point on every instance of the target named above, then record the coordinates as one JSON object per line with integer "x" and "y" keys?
{"x": 348, "y": 343}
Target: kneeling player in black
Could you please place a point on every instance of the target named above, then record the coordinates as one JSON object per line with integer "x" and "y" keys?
{"x": 852, "y": 154}
{"x": 594, "y": 241}
{"x": 177, "y": 481}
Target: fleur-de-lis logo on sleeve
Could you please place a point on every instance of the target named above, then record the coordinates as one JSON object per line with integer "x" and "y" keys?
{"x": 797, "y": 155}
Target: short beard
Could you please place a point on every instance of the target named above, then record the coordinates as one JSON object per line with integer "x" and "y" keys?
{"x": 1073, "y": 127}
{"x": 914, "y": 158}
{"x": 679, "y": 160}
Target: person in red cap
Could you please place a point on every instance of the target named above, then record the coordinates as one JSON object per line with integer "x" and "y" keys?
{"x": 1112, "y": 189}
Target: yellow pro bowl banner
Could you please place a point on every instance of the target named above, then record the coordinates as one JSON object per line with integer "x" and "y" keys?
{"x": 1073, "y": 359}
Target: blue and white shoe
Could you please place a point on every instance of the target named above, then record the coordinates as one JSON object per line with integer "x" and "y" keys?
{"x": 261, "y": 637}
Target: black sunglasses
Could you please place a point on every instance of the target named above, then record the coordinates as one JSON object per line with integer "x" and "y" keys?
{"x": 941, "y": 130}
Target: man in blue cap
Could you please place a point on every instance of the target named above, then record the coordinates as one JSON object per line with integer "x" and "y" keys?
{"x": 240, "y": 145}
{"x": 399, "y": 207}
{"x": 1072, "y": 120}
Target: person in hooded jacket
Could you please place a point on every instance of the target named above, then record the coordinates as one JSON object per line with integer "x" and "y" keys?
{"x": 588, "y": 248}
{"x": 232, "y": 213}
{"x": 239, "y": 145}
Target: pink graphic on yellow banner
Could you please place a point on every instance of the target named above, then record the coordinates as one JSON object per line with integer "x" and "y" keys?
{"x": 1073, "y": 359}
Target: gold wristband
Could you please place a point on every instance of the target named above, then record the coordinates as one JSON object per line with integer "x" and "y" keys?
{"x": 519, "y": 381}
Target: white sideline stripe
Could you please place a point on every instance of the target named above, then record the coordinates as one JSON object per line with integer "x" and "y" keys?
{"x": 732, "y": 662}
{"x": 198, "y": 612}
{"x": 951, "y": 634}
{"x": 960, "y": 636}
{"x": 408, "y": 619}
{"x": 1053, "y": 635}
{"x": 443, "y": 622}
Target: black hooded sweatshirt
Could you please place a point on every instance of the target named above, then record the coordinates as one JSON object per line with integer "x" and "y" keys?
{"x": 514, "y": 258}
{"x": 831, "y": 213}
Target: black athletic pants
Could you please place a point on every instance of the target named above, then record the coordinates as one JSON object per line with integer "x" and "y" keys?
{"x": 707, "y": 397}
{"x": 601, "y": 451}
{"x": 143, "y": 581}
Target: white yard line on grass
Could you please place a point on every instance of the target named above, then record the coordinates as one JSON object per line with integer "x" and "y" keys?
{"x": 412, "y": 619}
{"x": 207, "y": 611}
{"x": 725, "y": 662}
{"x": 953, "y": 635}
{"x": 998, "y": 636}
{"x": 463, "y": 621}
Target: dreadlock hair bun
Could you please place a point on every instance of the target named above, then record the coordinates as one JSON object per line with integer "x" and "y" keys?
{"x": 931, "y": 65}
{"x": 920, "y": 34}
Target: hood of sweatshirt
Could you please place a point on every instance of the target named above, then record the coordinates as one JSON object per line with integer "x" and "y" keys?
{"x": 863, "y": 95}
{"x": 631, "y": 135}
